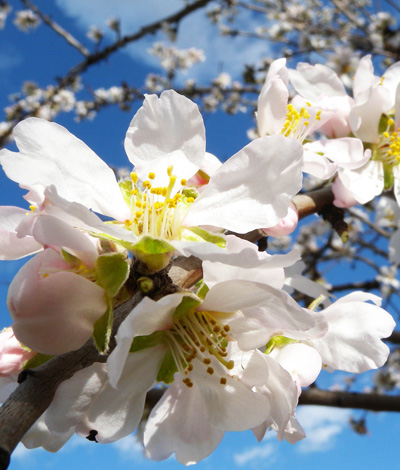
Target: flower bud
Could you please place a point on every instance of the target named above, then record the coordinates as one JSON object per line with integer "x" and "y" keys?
{"x": 54, "y": 309}
{"x": 286, "y": 226}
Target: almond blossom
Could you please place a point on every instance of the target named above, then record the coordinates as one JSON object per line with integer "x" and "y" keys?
{"x": 166, "y": 144}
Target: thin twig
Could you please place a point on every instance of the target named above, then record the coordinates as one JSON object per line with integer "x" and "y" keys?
{"x": 57, "y": 28}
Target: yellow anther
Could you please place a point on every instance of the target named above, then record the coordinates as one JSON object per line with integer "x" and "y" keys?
{"x": 308, "y": 103}
{"x": 134, "y": 177}
{"x": 134, "y": 192}
{"x": 164, "y": 191}
{"x": 152, "y": 175}
{"x": 138, "y": 214}
{"x": 183, "y": 182}
{"x": 45, "y": 275}
{"x": 222, "y": 380}
{"x": 386, "y": 134}
{"x": 146, "y": 184}
{"x": 138, "y": 204}
{"x": 190, "y": 200}
{"x": 169, "y": 170}
{"x": 390, "y": 122}
{"x": 32, "y": 208}
{"x": 207, "y": 360}
{"x": 210, "y": 370}
{"x": 306, "y": 123}
{"x": 128, "y": 222}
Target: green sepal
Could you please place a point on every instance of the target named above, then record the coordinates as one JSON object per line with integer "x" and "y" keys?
{"x": 102, "y": 330}
{"x": 198, "y": 234}
{"x": 203, "y": 291}
{"x": 278, "y": 341}
{"x": 36, "y": 361}
{"x": 70, "y": 259}
{"x": 388, "y": 177}
{"x": 154, "y": 253}
{"x": 187, "y": 305}
{"x": 111, "y": 271}
{"x": 167, "y": 370}
{"x": 148, "y": 341}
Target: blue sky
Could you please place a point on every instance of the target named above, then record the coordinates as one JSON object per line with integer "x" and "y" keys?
{"x": 331, "y": 443}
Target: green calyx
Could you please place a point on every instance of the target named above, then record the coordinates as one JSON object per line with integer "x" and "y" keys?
{"x": 154, "y": 253}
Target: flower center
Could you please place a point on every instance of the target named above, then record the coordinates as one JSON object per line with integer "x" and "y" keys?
{"x": 157, "y": 211}
{"x": 388, "y": 147}
{"x": 198, "y": 338}
{"x": 299, "y": 124}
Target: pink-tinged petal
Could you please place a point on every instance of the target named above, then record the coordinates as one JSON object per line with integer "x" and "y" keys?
{"x": 272, "y": 107}
{"x": 343, "y": 197}
{"x": 146, "y": 318}
{"x": 353, "y": 341}
{"x": 12, "y": 354}
{"x": 316, "y": 164}
{"x": 49, "y": 154}
{"x": 179, "y": 424}
{"x": 79, "y": 216}
{"x": 365, "y": 182}
{"x": 74, "y": 397}
{"x": 12, "y": 247}
{"x": 301, "y": 361}
{"x": 252, "y": 189}
{"x": 53, "y": 312}
{"x": 54, "y": 231}
{"x": 314, "y": 81}
{"x": 286, "y": 226}
{"x": 116, "y": 413}
{"x": 166, "y": 131}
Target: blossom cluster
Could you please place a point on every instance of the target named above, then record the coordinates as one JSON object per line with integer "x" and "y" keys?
{"x": 233, "y": 350}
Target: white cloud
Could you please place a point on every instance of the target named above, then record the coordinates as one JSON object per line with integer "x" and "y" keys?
{"x": 129, "y": 447}
{"x": 322, "y": 425}
{"x": 255, "y": 453}
{"x": 223, "y": 53}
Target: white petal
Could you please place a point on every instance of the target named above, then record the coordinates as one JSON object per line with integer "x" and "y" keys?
{"x": 40, "y": 436}
{"x": 166, "y": 131}
{"x": 312, "y": 81}
{"x": 12, "y": 247}
{"x": 179, "y": 423}
{"x": 73, "y": 398}
{"x": 49, "y": 154}
{"x": 252, "y": 189}
{"x": 116, "y": 413}
{"x": 272, "y": 107}
{"x": 301, "y": 361}
{"x": 364, "y": 183}
{"x": 352, "y": 342}
{"x": 146, "y": 318}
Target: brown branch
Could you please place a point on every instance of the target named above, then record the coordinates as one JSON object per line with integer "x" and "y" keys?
{"x": 313, "y": 202}
{"x": 340, "y": 399}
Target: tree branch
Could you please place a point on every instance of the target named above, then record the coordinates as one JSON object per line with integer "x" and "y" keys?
{"x": 340, "y": 399}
